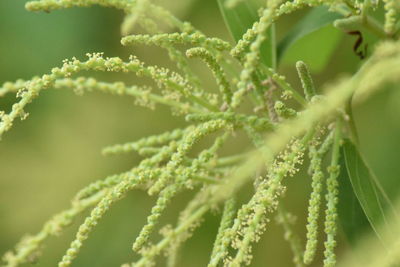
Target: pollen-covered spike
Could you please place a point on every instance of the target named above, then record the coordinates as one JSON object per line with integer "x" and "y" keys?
{"x": 207, "y": 154}
{"x": 240, "y": 120}
{"x": 97, "y": 62}
{"x": 314, "y": 205}
{"x": 183, "y": 228}
{"x": 182, "y": 175}
{"x": 97, "y": 186}
{"x": 113, "y": 180}
{"x": 118, "y": 192}
{"x": 150, "y": 141}
{"x": 199, "y": 200}
{"x": 216, "y": 69}
{"x": 243, "y": 44}
{"x": 163, "y": 200}
{"x": 391, "y": 12}
{"x": 306, "y": 80}
{"x": 221, "y": 244}
{"x": 287, "y": 220}
{"x": 187, "y": 143}
{"x": 14, "y": 87}
{"x": 252, "y": 220}
{"x": 291, "y": 6}
{"x": 283, "y": 111}
{"x": 50, "y": 5}
{"x": 195, "y": 39}
{"x": 251, "y": 59}
{"x": 29, "y": 247}
{"x": 331, "y": 201}
{"x": 174, "y": 53}
{"x": 142, "y": 94}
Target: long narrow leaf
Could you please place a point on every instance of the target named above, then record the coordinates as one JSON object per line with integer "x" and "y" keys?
{"x": 239, "y": 18}
{"x": 370, "y": 194}
{"x": 352, "y": 217}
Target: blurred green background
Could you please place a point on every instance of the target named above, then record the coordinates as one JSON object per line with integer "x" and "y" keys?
{"x": 46, "y": 159}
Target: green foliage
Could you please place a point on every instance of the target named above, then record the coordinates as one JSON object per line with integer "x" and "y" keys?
{"x": 282, "y": 131}
{"x": 352, "y": 217}
{"x": 370, "y": 194}
{"x": 314, "y": 20}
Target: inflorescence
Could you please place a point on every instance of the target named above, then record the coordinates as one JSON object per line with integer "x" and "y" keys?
{"x": 281, "y": 131}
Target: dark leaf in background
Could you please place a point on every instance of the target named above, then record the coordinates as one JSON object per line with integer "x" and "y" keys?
{"x": 372, "y": 198}
{"x": 316, "y": 19}
{"x": 353, "y": 220}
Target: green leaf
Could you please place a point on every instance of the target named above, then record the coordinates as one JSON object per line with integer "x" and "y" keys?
{"x": 352, "y": 218}
{"x": 239, "y": 18}
{"x": 316, "y": 49}
{"x": 242, "y": 17}
{"x": 316, "y": 19}
{"x": 373, "y": 200}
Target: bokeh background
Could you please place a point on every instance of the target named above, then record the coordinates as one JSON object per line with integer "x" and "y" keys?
{"x": 47, "y": 158}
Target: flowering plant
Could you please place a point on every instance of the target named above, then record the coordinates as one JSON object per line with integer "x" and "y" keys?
{"x": 285, "y": 125}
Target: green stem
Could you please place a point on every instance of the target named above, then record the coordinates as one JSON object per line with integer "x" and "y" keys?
{"x": 336, "y": 143}
{"x": 274, "y": 65}
{"x": 366, "y": 6}
{"x": 351, "y": 123}
{"x": 187, "y": 224}
{"x": 193, "y": 98}
{"x": 165, "y": 101}
{"x": 285, "y": 86}
{"x": 308, "y": 136}
{"x": 206, "y": 180}
{"x": 273, "y": 47}
{"x": 373, "y": 26}
{"x": 283, "y": 218}
{"x": 231, "y": 159}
